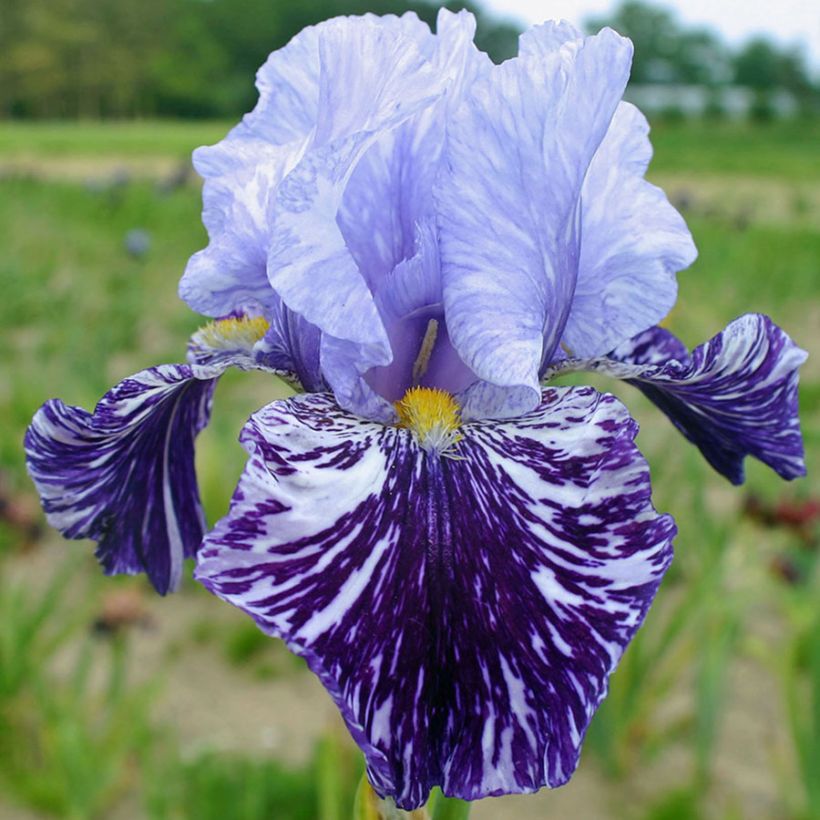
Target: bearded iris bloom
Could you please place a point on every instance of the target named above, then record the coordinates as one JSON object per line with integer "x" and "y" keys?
{"x": 421, "y": 240}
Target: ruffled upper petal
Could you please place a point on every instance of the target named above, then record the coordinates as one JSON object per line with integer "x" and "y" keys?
{"x": 309, "y": 264}
{"x": 374, "y": 75}
{"x": 735, "y": 396}
{"x": 231, "y": 272}
{"x": 541, "y": 40}
{"x": 242, "y": 174}
{"x": 464, "y": 613}
{"x": 288, "y": 85}
{"x": 388, "y": 221}
{"x": 388, "y": 193}
{"x": 292, "y": 98}
{"x": 633, "y": 243}
{"x": 351, "y": 212}
{"x": 337, "y": 84}
{"x": 321, "y": 195}
{"x": 517, "y": 152}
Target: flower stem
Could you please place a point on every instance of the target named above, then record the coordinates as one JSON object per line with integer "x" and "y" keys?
{"x": 369, "y": 806}
{"x": 447, "y": 808}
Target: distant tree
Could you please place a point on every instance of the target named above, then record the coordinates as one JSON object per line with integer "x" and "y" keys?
{"x": 216, "y": 46}
{"x": 190, "y": 58}
{"x": 198, "y": 58}
{"x": 63, "y": 58}
{"x": 762, "y": 65}
{"x": 703, "y": 58}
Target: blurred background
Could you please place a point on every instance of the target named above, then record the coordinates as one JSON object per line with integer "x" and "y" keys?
{"x": 117, "y": 704}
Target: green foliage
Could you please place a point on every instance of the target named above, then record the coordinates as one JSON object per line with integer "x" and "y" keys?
{"x": 246, "y": 642}
{"x": 800, "y": 668}
{"x": 447, "y": 808}
{"x": 72, "y": 752}
{"x": 67, "y": 745}
{"x": 678, "y": 805}
{"x": 761, "y": 65}
{"x": 783, "y": 150}
{"x": 144, "y": 139}
{"x": 32, "y": 629}
{"x": 214, "y": 786}
{"x": 189, "y": 58}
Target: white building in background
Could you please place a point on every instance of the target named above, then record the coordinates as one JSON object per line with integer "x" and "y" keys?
{"x": 735, "y": 102}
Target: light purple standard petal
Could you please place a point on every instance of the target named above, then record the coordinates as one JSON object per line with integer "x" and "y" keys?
{"x": 242, "y": 174}
{"x": 632, "y": 240}
{"x": 391, "y": 188}
{"x": 288, "y": 85}
{"x": 124, "y": 474}
{"x": 375, "y": 78}
{"x": 736, "y": 396}
{"x": 299, "y": 89}
{"x": 231, "y": 272}
{"x": 387, "y": 221}
{"x": 541, "y": 40}
{"x": 517, "y": 152}
{"x": 464, "y": 613}
{"x": 633, "y": 243}
{"x": 338, "y": 83}
{"x": 309, "y": 264}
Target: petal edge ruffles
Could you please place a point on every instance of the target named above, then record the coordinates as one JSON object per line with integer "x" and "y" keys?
{"x": 633, "y": 243}
{"x": 124, "y": 475}
{"x": 463, "y": 613}
{"x": 509, "y": 219}
{"x": 735, "y": 396}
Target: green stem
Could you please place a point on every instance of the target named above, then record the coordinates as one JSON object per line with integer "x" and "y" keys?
{"x": 447, "y": 808}
{"x": 368, "y": 806}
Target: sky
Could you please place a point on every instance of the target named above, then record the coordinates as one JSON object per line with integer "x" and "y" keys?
{"x": 787, "y": 21}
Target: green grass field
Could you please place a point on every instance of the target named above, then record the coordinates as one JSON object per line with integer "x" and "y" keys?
{"x": 129, "y": 139}
{"x": 715, "y": 711}
{"x": 784, "y": 150}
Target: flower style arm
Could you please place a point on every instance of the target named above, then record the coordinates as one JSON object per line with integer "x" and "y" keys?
{"x": 734, "y": 396}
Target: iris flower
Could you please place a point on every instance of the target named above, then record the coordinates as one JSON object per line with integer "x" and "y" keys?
{"x": 420, "y": 240}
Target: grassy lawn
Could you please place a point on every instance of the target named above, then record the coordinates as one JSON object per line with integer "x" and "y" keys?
{"x": 122, "y": 139}
{"x": 717, "y": 693}
{"x": 782, "y": 150}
